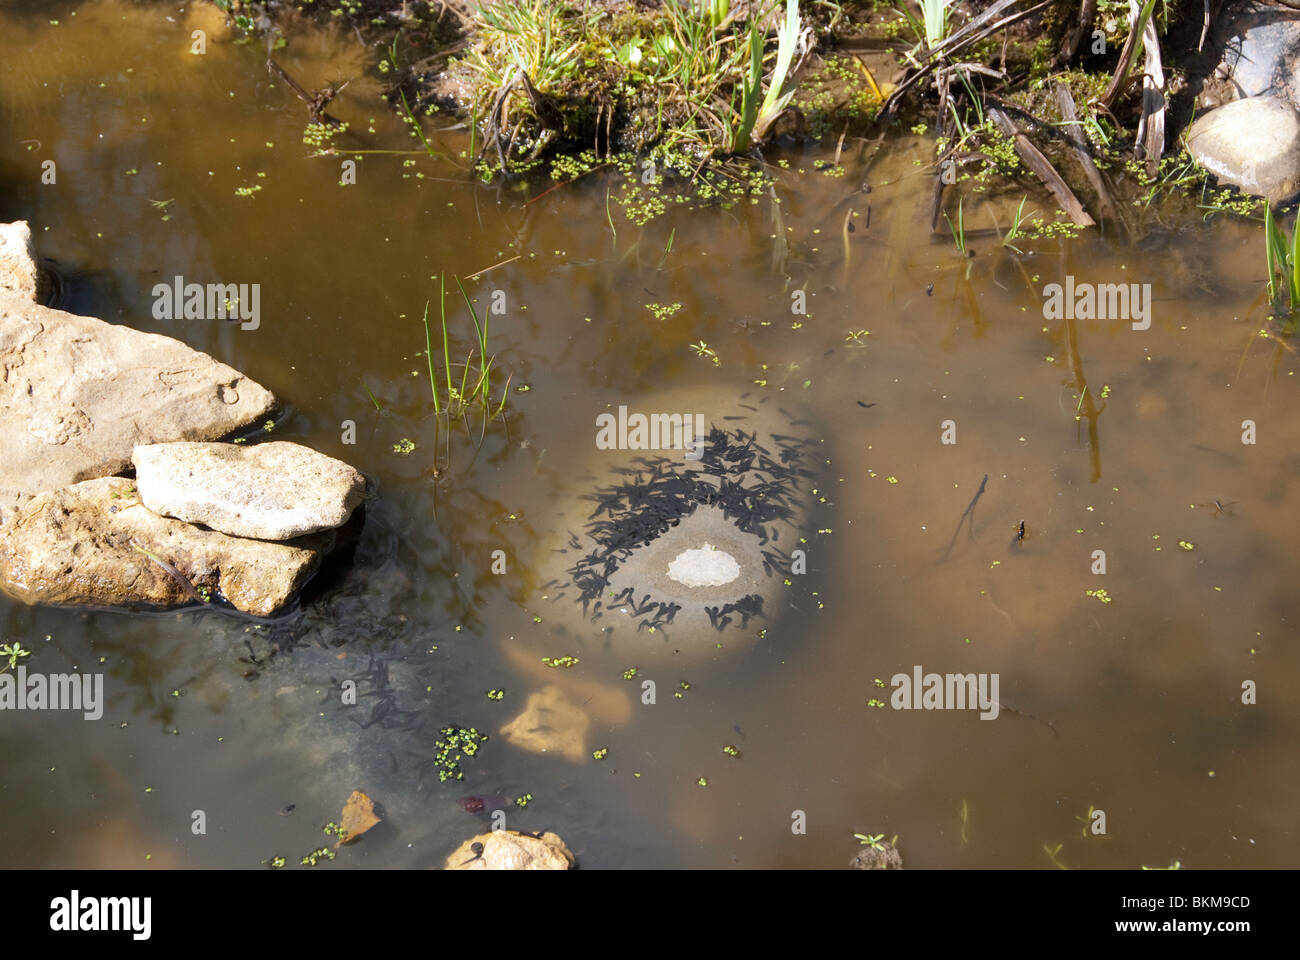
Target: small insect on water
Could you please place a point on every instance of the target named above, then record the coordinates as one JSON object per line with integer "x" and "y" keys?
{"x": 1218, "y": 506}
{"x": 1020, "y": 534}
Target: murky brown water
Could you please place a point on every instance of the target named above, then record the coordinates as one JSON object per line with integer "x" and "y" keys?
{"x": 1131, "y": 706}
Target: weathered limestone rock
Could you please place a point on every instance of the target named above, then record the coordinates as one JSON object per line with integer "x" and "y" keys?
{"x": 91, "y": 543}
{"x": 550, "y": 723}
{"x": 19, "y": 275}
{"x": 511, "y": 850}
{"x": 269, "y": 491}
{"x": 76, "y": 394}
{"x": 1253, "y": 144}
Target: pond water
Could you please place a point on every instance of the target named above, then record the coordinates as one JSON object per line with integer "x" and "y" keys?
{"x": 1131, "y": 706}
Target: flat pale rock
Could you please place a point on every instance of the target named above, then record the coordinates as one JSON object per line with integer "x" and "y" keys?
{"x": 550, "y": 723}
{"x": 77, "y": 546}
{"x": 268, "y": 491}
{"x": 512, "y": 850}
{"x": 77, "y": 394}
{"x": 19, "y": 274}
{"x": 1253, "y": 144}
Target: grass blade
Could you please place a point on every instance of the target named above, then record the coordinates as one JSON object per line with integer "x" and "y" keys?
{"x": 446, "y": 356}
{"x": 428, "y": 355}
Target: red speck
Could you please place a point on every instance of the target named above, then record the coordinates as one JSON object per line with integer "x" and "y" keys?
{"x": 472, "y": 804}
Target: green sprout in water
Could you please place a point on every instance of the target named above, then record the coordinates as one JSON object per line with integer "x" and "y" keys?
{"x": 1051, "y": 855}
{"x": 13, "y": 651}
{"x": 600, "y": 754}
{"x": 524, "y": 800}
{"x": 565, "y": 662}
{"x": 495, "y": 694}
{"x": 872, "y": 841}
{"x": 706, "y": 352}
{"x": 629, "y": 673}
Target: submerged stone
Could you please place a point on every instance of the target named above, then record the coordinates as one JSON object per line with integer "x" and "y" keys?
{"x": 511, "y": 850}
{"x": 1252, "y": 144}
{"x": 550, "y": 723}
{"x": 667, "y": 552}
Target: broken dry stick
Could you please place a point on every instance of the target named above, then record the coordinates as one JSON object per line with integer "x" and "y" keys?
{"x": 1044, "y": 170}
{"x": 1074, "y": 136}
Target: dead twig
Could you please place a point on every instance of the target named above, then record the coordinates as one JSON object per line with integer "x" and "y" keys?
{"x": 1151, "y": 128}
{"x": 317, "y": 100}
{"x": 959, "y": 41}
{"x": 1074, "y": 137}
{"x": 1042, "y": 168}
{"x": 1082, "y": 25}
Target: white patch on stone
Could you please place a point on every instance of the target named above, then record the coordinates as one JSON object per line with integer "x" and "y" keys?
{"x": 705, "y": 567}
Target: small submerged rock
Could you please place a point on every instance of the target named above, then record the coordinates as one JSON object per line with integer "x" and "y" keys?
{"x": 94, "y": 543}
{"x": 267, "y": 491}
{"x": 1253, "y": 144}
{"x": 881, "y": 855}
{"x": 662, "y": 553}
{"x": 512, "y": 850}
{"x": 550, "y": 723}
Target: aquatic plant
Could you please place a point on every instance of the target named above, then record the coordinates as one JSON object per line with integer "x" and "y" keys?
{"x": 1014, "y": 232}
{"x": 958, "y": 230}
{"x": 872, "y": 840}
{"x": 933, "y": 26}
{"x": 14, "y": 651}
{"x": 453, "y": 745}
{"x": 456, "y": 400}
{"x": 1282, "y": 257}
{"x": 755, "y": 120}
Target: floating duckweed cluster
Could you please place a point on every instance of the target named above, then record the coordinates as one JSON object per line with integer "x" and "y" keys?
{"x": 453, "y": 745}
{"x": 565, "y": 662}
